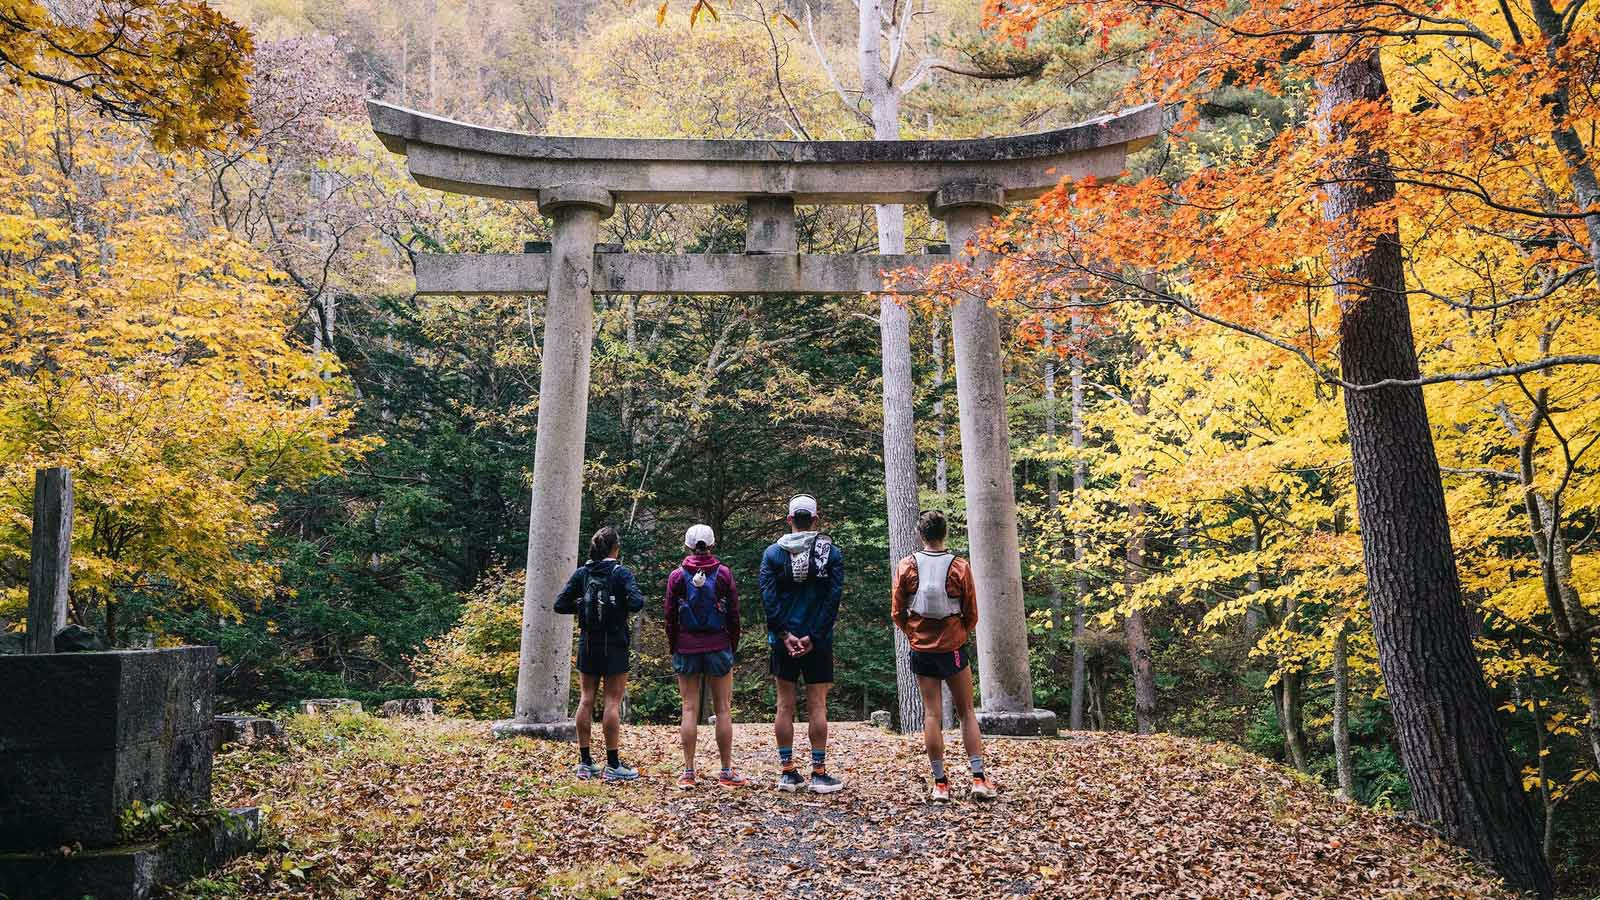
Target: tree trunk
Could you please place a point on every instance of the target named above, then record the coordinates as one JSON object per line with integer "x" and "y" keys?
{"x": 941, "y": 460}
{"x": 1080, "y": 474}
{"x": 894, "y": 335}
{"x": 1052, "y": 497}
{"x": 1341, "y": 716}
{"x": 1133, "y": 625}
{"x": 50, "y": 562}
{"x": 1291, "y": 714}
{"x": 1456, "y": 757}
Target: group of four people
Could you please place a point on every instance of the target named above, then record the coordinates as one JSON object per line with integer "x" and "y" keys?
{"x": 933, "y": 601}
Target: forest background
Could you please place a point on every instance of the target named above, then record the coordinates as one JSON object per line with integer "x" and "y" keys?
{"x": 280, "y": 450}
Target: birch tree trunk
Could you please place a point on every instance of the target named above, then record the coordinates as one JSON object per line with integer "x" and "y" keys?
{"x": 1457, "y": 761}
{"x": 894, "y": 335}
{"x": 1134, "y": 630}
{"x": 1341, "y": 716}
{"x": 1080, "y": 474}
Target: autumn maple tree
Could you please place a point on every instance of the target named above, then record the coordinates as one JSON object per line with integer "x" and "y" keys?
{"x": 1435, "y": 158}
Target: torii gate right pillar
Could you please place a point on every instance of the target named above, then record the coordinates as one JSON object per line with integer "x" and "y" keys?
{"x": 1005, "y": 682}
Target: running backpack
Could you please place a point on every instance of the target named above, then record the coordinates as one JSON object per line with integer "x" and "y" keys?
{"x": 599, "y": 602}
{"x": 699, "y": 609}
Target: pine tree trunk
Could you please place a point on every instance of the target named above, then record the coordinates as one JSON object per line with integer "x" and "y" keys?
{"x": 1341, "y": 716}
{"x": 1456, "y": 757}
{"x": 1080, "y": 475}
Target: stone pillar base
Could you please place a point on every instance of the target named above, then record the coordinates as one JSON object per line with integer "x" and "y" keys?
{"x": 564, "y": 730}
{"x": 1008, "y": 723}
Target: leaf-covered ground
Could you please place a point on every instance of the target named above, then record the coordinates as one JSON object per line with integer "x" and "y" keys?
{"x": 362, "y": 809}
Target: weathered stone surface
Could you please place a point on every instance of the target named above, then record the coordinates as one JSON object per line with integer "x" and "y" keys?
{"x": 1026, "y": 723}
{"x": 326, "y": 705}
{"x": 562, "y": 730}
{"x": 243, "y": 730}
{"x": 411, "y": 706}
{"x": 82, "y": 735}
{"x": 880, "y": 718}
{"x": 78, "y": 639}
{"x": 469, "y": 159}
{"x": 664, "y": 273}
{"x": 127, "y": 873}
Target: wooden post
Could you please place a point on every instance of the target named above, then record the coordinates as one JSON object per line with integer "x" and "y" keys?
{"x": 48, "y": 575}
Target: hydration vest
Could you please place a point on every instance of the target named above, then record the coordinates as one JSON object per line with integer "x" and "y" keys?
{"x": 932, "y": 600}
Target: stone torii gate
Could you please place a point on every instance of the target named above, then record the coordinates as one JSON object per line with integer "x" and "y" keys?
{"x": 578, "y": 181}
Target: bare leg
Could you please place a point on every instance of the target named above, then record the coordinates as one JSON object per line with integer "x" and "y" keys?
{"x": 616, "y": 686}
{"x": 722, "y": 699}
{"x": 783, "y": 722}
{"x": 932, "y": 690}
{"x": 961, "y": 695}
{"x": 817, "y": 715}
{"x": 587, "y": 685}
{"x": 689, "y": 687}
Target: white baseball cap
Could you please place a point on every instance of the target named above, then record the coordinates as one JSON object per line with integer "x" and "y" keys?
{"x": 699, "y": 534}
{"x": 803, "y": 503}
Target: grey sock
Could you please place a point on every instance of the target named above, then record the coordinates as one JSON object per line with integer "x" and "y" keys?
{"x": 976, "y": 764}
{"x": 938, "y": 769}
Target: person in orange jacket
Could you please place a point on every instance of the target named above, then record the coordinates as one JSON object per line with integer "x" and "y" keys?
{"x": 935, "y": 602}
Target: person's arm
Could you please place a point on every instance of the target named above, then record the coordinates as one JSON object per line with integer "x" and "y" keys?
{"x": 630, "y": 585}
{"x": 670, "y": 609}
{"x": 822, "y": 623}
{"x": 901, "y": 589}
{"x": 567, "y": 600}
{"x": 732, "y": 618}
{"x": 969, "y": 597}
{"x": 770, "y": 603}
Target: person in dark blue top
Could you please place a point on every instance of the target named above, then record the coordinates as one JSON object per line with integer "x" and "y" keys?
{"x": 802, "y": 580}
{"x": 603, "y": 595}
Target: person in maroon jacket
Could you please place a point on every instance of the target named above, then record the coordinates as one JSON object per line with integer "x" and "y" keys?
{"x": 702, "y": 613}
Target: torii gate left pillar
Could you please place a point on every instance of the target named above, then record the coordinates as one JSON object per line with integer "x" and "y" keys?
{"x": 576, "y": 181}
{"x": 556, "y": 508}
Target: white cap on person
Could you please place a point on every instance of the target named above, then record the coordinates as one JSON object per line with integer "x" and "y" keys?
{"x": 699, "y": 534}
{"x": 803, "y": 503}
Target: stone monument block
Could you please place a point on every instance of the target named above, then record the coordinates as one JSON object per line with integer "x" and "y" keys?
{"x": 329, "y": 705}
{"x": 242, "y": 729}
{"x": 83, "y": 735}
{"x": 410, "y": 707}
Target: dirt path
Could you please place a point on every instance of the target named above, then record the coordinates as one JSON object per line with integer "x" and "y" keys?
{"x": 439, "y": 810}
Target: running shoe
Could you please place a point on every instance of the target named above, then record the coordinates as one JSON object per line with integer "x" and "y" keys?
{"x": 586, "y": 771}
{"x": 941, "y": 791}
{"x": 823, "y": 783}
{"x": 685, "y": 780}
{"x": 732, "y": 779}
{"x": 619, "y": 773}
{"x": 790, "y": 781}
{"x": 983, "y": 788}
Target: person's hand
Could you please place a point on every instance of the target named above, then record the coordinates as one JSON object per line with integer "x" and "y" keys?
{"x": 792, "y": 645}
{"x": 806, "y": 645}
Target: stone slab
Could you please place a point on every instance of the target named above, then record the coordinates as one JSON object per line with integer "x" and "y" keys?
{"x": 327, "y": 705}
{"x": 127, "y": 873}
{"x": 242, "y": 730}
{"x": 1029, "y": 723}
{"x": 737, "y": 274}
{"x": 565, "y": 730}
{"x": 409, "y": 707}
{"x": 50, "y": 798}
{"x": 103, "y": 700}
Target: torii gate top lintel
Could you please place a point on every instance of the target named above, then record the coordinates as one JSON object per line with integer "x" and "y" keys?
{"x": 472, "y": 159}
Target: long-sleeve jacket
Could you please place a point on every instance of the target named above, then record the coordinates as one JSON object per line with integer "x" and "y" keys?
{"x": 934, "y": 635}
{"x": 623, "y": 585}
{"x": 800, "y": 593}
{"x": 680, "y": 641}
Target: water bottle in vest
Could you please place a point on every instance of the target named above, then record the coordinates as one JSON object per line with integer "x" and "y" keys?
{"x": 598, "y": 602}
{"x": 699, "y": 609}
{"x": 932, "y": 600}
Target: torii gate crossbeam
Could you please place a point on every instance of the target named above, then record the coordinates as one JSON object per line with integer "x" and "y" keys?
{"x": 577, "y": 182}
